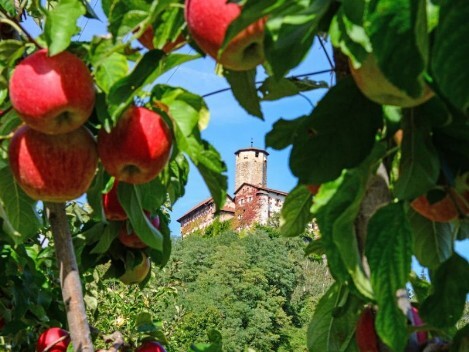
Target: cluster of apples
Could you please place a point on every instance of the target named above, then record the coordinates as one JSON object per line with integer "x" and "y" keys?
{"x": 53, "y": 156}
{"x": 57, "y": 340}
{"x": 114, "y": 211}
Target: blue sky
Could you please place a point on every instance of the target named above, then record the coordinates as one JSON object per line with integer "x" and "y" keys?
{"x": 231, "y": 128}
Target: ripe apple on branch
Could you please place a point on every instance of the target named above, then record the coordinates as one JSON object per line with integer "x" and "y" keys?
{"x": 208, "y": 20}
{"x": 137, "y": 148}
{"x": 129, "y": 238}
{"x": 52, "y": 94}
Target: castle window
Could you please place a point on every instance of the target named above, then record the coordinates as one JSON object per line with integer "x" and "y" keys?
{"x": 249, "y": 199}
{"x": 257, "y": 154}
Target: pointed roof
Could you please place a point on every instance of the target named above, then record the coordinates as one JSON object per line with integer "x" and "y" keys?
{"x": 251, "y": 149}
{"x": 205, "y": 202}
{"x": 270, "y": 190}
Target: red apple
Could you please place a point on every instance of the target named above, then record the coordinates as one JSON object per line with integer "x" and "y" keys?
{"x": 53, "y": 168}
{"x": 376, "y": 87}
{"x": 112, "y": 206}
{"x": 208, "y": 20}
{"x": 50, "y": 338}
{"x": 365, "y": 334}
{"x": 146, "y": 39}
{"x": 138, "y": 273}
{"x": 137, "y": 148}
{"x": 422, "y": 336}
{"x": 132, "y": 240}
{"x": 52, "y": 94}
{"x": 150, "y": 346}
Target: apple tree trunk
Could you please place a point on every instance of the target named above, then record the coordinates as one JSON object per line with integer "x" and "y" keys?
{"x": 69, "y": 278}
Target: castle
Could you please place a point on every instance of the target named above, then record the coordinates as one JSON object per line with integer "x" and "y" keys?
{"x": 252, "y": 202}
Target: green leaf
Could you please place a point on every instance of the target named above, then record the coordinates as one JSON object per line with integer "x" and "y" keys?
{"x": 420, "y": 286}
{"x": 90, "y": 13}
{"x": 329, "y": 331}
{"x": 254, "y": 10}
{"x": 124, "y": 89}
{"x": 450, "y": 283}
{"x": 9, "y": 6}
{"x": 339, "y": 134}
{"x": 243, "y": 86}
{"x": 295, "y": 214}
{"x": 389, "y": 252}
{"x": 153, "y": 64}
{"x": 419, "y": 167}
{"x": 273, "y": 89}
{"x": 130, "y": 200}
{"x": 61, "y": 25}
{"x": 168, "y": 26}
{"x": 433, "y": 241}
{"x": 144, "y": 323}
{"x": 212, "y": 168}
{"x": 291, "y": 35}
{"x": 187, "y": 111}
{"x": 94, "y": 195}
{"x": 336, "y": 216}
{"x": 11, "y": 50}
{"x": 348, "y": 35}
{"x": 398, "y": 33}
{"x": 450, "y": 52}
{"x": 125, "y": 15}
{"x": 109, "y": 234}
{"x": 284, "y": 133}
{"x": 110, "y": 70}
{"x": 20, "y": 218}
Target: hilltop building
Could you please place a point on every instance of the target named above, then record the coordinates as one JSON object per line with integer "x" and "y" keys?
{"x": 253, "y": 202}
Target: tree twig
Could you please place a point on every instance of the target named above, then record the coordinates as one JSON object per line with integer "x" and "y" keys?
{"x": 117, "y": 341}
{"x": 69, "y": 278}
{"x": 17, "y": 26}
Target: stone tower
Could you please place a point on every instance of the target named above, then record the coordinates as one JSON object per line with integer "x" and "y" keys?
{"x": 251, "y": 167}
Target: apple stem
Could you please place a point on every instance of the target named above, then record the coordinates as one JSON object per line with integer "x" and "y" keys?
{"x": 69, "y": 278}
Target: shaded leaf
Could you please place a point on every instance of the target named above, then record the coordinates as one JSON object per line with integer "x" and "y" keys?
{"x": 450, "y": 283}
{"x": 18, "y": 211}
{"x": 339, "y": 134}
{"x": 273, "y": 89}
{"x": 448, "y": 64}
{"x": 328, "y": 331}
{"x": 284, "y": 133}
{"x": 130, "y": 200}
{"x": 243, "y": 85}
{"x": 291, "y": 34}
{"x": 433, "y": 241}
{"x": 419, "y": 166}
{"x": 389, "y": 252}
{"x": 11, "y": 50}
{"x": 295, "y": 214}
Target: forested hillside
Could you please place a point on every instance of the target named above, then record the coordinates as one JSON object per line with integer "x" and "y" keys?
{"x": 254, "y": 289}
